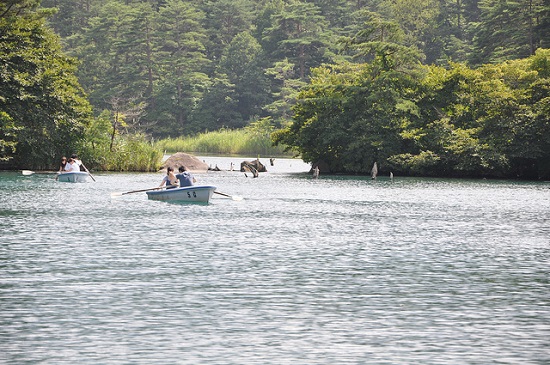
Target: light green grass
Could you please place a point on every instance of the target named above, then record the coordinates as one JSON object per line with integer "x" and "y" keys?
{"x": 129, "y": 153}
{"x": 225, "y": 142}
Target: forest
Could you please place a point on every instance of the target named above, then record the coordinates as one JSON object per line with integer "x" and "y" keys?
{"x": 423, "y": 87}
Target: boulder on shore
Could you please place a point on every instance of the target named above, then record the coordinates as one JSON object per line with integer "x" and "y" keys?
{"x": 192, "y": 163}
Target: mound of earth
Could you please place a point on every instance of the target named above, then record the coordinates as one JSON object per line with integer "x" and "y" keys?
{"x": 192, "y": 163}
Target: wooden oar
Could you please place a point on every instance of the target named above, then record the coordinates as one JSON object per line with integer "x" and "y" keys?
{"x": 136, "y": 191}
{"x": 88, "y": 171}
{"x": 234, "y": 197}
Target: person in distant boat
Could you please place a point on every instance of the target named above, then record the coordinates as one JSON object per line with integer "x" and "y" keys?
{"x": 170, "y": 180}
{"x": 72, "y": 166}
{"x": 74, "y": 156}
{"x": 63, "y": 164}
{"x": 185, "y": 177}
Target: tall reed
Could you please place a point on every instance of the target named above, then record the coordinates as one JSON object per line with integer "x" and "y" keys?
{"x": 224, "y": 142}
{"x": 129, "y": 153}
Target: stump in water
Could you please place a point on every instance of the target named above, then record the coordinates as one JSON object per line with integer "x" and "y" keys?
{"x": 252, "y": 165}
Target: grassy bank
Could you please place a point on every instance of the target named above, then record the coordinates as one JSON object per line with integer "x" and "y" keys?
{"x": 128, "y": 153}
{"x": 224, "y": 142}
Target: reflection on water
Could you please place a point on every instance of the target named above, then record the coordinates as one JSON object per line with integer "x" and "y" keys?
{"x": 338, "y": 270}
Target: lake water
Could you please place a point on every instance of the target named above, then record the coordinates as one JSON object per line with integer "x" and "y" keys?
{"x": 339, "y": 270}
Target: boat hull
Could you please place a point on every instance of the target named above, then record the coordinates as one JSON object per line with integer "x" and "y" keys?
{"x": 74, "y": 177}
{"x": 187, "y": 194}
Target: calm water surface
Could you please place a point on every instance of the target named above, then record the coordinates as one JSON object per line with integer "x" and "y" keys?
{"x": 340, "y": 270}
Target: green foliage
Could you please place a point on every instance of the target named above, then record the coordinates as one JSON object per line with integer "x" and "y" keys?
{"x": 133, "y": 153}
{"x": 43, "y": 108}
{"x": 242, "y": 62}
{"x": 481, "y": 122}
{"x": 8, "y": 137}
{"x": 351, "y": 116}
{"x": 285, "y": 90}
{"x": 300, "y": 32}
{"x": 120, "y": 152}
{"x": 173, "y": 68}
{"x": 426, "y": 163}
{"x": 252, "y": 141}
{"x": 492, "y": 121}
{"x": 197, "y": 66}
{"x": 507, "y": 30}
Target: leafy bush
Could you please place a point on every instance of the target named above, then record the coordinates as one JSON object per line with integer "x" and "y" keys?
{"x": 104, "y": 148}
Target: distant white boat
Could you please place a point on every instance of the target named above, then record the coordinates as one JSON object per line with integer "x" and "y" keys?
{"x": 187, "y": 194}
{"x": 73, "y": 176}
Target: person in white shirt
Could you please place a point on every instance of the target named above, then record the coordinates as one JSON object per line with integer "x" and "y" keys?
{"x": 72, "y": 166}
{"x": 78, "y": 162}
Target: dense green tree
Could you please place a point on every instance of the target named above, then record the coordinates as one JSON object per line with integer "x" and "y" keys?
{"x": 418, "y": 20}
{"x": 70, "y": 16}
{"x": 100, "y": 47}
{"x": 350, "y": 116}
{"x": 217, "y": 107}
{"x": 169, "y": 67}
{"x": 43, "y": 110}
{"x": 300, "y": 33}
{"x": 132, "y": 52}
{"x": 285, "y": 89}
{"x": 180, "y": 54}
{"x": 224, "y": 20}
{"x": 336, "y": 12}
{"x": 451, "y": 39}
{"x": 380, "y": 42}
{"x": 264, "y": 22}
{"x": 542, "y": 26}
{"x": 483, "y": 122}
{"x": 169, "y": 53}
{"x": 456, "y": 121}
{"x": 508, "y": 29}
{"x": 243, "y": 62}
{"x": 8, "y": 137}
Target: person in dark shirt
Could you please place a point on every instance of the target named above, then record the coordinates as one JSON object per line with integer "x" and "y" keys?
{"x": 170, "y": 179}
{"x": 185, "y": 177}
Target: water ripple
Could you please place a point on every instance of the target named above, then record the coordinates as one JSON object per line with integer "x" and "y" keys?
{"x": 338, "y": 270}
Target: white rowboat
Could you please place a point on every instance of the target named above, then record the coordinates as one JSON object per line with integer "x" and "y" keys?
{"x": 74, "y": 176}
{"x": 186, "y": 194}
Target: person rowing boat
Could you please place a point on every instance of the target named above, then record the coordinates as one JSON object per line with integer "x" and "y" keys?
{"x": 170, "y": 180}
{"x": 185, "y": 177}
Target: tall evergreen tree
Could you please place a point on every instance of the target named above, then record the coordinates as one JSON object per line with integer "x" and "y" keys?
{"x": 224, "y": 20}
{"x": 71, "y": 16}
{"x": 300, "y": 32}
{"x": 507, "y": 30}
{"x": 243, "y": 62}
{"x": 181, "y": 57}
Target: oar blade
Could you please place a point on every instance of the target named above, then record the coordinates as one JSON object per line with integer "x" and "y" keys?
{"x": 233, "y": 197}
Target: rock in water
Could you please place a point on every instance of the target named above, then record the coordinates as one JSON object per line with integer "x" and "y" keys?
{"x": 192, "y": 163}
